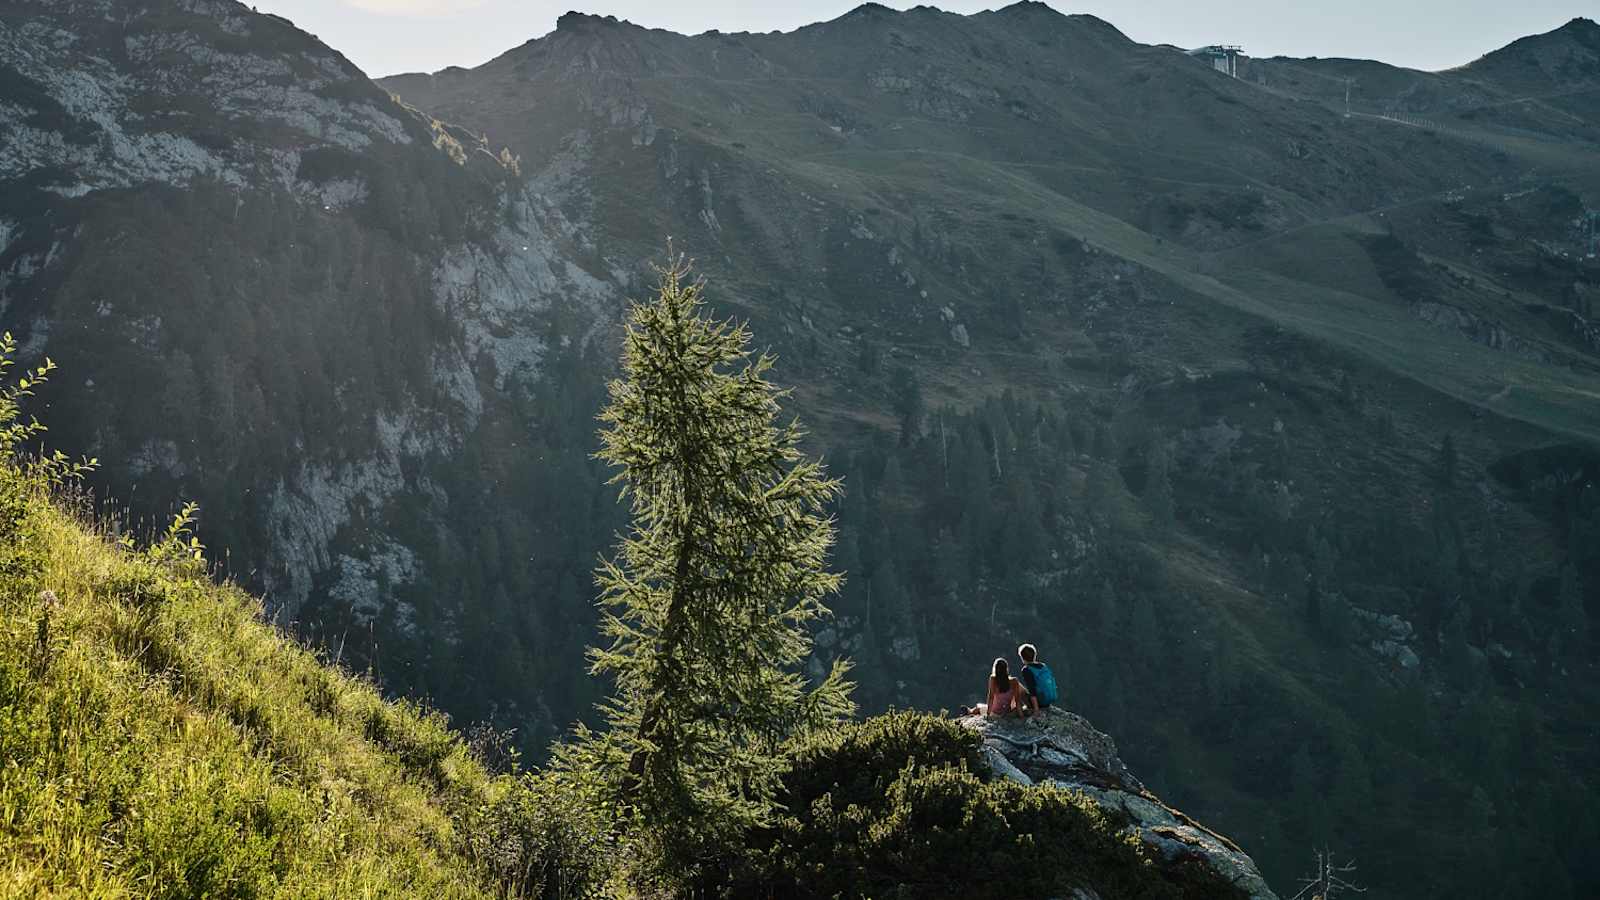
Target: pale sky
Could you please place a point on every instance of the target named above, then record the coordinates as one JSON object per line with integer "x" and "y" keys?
{"x": 385, "y": 37}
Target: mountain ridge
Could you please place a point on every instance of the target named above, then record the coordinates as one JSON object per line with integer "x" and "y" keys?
{"x": 1580, "y": 27}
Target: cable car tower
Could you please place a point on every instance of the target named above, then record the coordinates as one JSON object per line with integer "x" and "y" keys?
{"x": 1223, "y": 57}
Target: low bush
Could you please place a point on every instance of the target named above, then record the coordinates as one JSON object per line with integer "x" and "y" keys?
{"x": 895, "y": 806}
{"x": 543, "y": 836}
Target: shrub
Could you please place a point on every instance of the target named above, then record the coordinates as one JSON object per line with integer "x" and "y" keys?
{"x": 895, "y": 807}
{"x": 544, "y": 836}
{"x": 856, "y": 763}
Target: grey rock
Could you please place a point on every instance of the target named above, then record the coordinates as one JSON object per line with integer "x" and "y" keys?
{"x": 1398, "y": 653}
{"x": 1212, "y": 444}
{"x": 1064, "y": 749}
{"x": 1476, "y": 328}
{"x": 1390, "y": 627}
{"x": 906, "y": 648}
{"x": 999, "y": 765}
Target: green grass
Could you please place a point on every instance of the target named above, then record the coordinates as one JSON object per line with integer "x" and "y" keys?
{"x": 160, "y": 740}
{"x": 1560, "y": 400}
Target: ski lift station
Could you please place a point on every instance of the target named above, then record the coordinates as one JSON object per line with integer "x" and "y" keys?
{"x": 1223, "y": 57}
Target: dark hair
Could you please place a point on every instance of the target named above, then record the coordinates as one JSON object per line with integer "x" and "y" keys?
{"x": 1028, "y": 653}
{"x": 1001, "y": 675}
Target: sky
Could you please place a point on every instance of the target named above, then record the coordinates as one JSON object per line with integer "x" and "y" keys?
{"x": 386, "y": 37}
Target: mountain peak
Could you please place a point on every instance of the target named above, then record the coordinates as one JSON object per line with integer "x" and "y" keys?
{"x": 1033, "y": 14}
{"x": 577, "y": 21}
{"x": 1558, "y": 59}
{"x": 870, "y": 9}
{"x": 1579, "y": 30}
{"x": 1030, "y": 7}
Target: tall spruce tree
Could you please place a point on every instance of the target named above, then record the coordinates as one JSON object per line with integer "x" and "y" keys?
{"x": 710, "y": 597}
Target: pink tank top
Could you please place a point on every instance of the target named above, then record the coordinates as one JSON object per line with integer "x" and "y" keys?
{"x": 1004, "y": 700}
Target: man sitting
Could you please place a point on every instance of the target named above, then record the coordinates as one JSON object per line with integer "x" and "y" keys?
{"x": 1037, "y": 680}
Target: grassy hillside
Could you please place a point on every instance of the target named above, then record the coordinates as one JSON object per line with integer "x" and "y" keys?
{"x": 162, "y": 740}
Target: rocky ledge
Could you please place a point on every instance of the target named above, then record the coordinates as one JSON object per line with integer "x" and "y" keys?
{"x": 1062, "y": 748}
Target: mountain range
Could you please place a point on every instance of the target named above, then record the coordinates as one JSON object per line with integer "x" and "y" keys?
{"x": 1268, "y": 406}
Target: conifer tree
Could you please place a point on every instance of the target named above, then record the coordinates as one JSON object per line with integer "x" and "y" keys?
{"x": 1158, "y": 485}
{"x": 1574, "y": 619}
{"x": 710, "y": 596}
{"x": 1445, "y": 464}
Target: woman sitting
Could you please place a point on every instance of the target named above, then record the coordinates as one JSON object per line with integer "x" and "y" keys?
{"x": 1005, "y": 694}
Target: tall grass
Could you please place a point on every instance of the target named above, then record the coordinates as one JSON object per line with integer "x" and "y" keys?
{"x": 159, "y": 739}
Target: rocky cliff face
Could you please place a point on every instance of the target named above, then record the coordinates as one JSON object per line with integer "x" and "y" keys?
{"x": 1062, "y": 748}
{"x": 103, "y": 95}
{"x": 277, "y": 290}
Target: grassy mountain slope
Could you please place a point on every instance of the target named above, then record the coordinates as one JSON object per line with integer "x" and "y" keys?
{"x": 162, "y": 740}
{"x": 1543, "y": 87}
{"x": 999, "y": 134}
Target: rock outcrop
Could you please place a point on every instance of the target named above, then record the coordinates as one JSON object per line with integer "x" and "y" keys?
{"x": 1062, "y": 748}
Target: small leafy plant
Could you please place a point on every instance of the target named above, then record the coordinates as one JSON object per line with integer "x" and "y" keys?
{"x": 179, "y": 547}
{"x": 53, "y": 467}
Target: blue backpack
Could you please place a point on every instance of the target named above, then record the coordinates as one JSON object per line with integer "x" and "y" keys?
{"x": 1044, "y": 682}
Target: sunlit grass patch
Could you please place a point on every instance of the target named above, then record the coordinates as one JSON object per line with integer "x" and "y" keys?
{"x": 160, "y": 739}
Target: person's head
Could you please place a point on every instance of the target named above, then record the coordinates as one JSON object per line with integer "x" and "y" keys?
{"x": 1002, "y": 672}
{"x": 1027, "y": 653}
